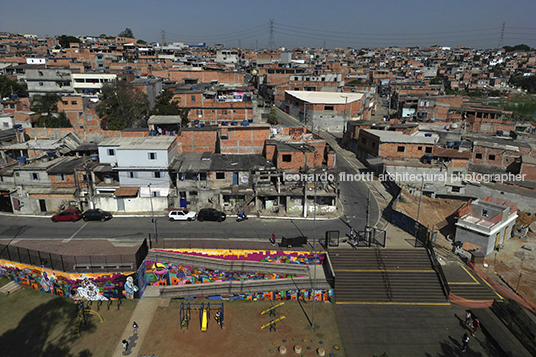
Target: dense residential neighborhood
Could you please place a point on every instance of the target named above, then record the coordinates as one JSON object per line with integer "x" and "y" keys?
{"x": 421, "y": 182}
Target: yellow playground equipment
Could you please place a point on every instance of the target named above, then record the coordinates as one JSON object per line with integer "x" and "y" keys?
{"x": 185, "y": 314}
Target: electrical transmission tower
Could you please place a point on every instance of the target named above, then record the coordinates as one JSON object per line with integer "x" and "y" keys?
{"x": 501, "y": 40}
{"x": 271, "y": 41}
{"x": 163, "y": 34}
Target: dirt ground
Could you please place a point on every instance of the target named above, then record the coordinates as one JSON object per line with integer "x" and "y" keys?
{"x": 242, "y": 334}
{"x": 512, "y": 265}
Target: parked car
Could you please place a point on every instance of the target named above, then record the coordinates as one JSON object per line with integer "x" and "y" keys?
{"x": 181, "y": 215}
{"x": 71, "y": 214}
{"x": 210, "y": 214}
{"x": 96, "y": 215}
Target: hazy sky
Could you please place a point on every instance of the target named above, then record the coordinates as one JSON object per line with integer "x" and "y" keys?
{"x": 297, "y": 23}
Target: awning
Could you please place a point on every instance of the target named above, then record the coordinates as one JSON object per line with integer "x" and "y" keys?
{"x": 126, "y": 192}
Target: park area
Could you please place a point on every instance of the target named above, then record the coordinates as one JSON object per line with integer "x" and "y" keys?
{"x": 242, "y": 334}
{"x": 37, "y": 324}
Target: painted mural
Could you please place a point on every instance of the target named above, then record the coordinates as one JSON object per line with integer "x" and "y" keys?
{"x": 162, "y": 273}
{"x": 91, "y": 286}
{"x": 271, "y": 256}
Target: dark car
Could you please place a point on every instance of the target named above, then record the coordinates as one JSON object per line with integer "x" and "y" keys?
{"x": 96, "y": 215}
{"x": 71, "y": 214}
{"x": 210, "y": 214}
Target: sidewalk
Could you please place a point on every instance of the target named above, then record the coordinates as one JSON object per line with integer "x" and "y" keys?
{"x": 143, "y": 315}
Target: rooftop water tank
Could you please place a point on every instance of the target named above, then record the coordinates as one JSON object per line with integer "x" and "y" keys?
{"x": 51, "y": 153}
{"x": 21, "y": 159}
{"x": 450, "y": 144}
{"x": 17, "y": 126}
{"x": 244, "y": 123}
{"x": 428, "y": 135}
{"x": 196, "y": 121}
{"x": 152, "y": 133}
{"x": 224, "y": 123}
{"x": 457, "y": 144}
{"x": 499, "y": 132}
{"x": 94, "y": 157}
{"x": 234, "y": 123}
{"x": 201, "y": 125}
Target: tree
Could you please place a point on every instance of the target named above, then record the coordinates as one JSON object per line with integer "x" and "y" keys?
{"x": 126, "y": 33}
{"x": 122, "y": 106}
{"x": 141, "y": 42}
{"x": 272, "y": 117}
{"x": 65, "y": 41}
{"x": 165, "y": 105}
{"x": 528, "y": 83}
{"x": 9, "y": 86}
{"x": 59, "y": 120}
{"x": 45, "y": 104}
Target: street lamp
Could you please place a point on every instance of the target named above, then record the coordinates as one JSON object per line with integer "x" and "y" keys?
{"x": 152, "y": 214}
{"x": 345, "y": 106}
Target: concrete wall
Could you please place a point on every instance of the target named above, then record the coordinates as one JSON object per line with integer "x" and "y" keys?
{"x": 523, "y": 198}
{"x": 487, "y": 243}
{"x": 140, "y": 158}
{"x": 132, "y": 204}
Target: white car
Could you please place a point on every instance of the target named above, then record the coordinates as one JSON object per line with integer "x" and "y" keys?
{"x": 183, "y": 215}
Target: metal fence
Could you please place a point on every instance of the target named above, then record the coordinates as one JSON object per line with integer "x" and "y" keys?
{"x": 75, "y": 263}
{"x": 518, "y": 322}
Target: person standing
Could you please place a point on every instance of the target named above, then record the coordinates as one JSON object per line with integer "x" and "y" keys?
{"x": 135, "y": 327}
{"x": 465, "y": 341}
{"x": 272, "y": 240}
{"x": 468, "y": 318}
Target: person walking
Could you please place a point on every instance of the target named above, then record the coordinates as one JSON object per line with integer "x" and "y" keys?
{"x": 135, "y": 327}
{"x": 468, "y": 318}
{"x": 125, "y": 346}
{"x": 465, "y": 341}
{"x": 272, "y": 240}
{"x": 475, "y": 326}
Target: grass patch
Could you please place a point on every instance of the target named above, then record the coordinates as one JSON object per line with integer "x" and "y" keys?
{"x": 33, "y": 323}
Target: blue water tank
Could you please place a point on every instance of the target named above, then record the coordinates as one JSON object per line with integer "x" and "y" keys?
{"x": 244, "y": 123}
{"x": 458, "y": 143}
{"x": 224, "y": 123}
{"x": 17, "y": 126}
{"x": 21, "y": 159}
{"x": 51, "y": 153}
{"x": 449, "y": 143}
{"x": 196, "y": 121}
{"x": 201, "y": 125}
{"x": 234, "y": 123}
{"x": 193, "y": 88}
{"x": 428, "y": 135}
{"x": 499, "y": 132}
{"x": 152, "y": 133}
{"x": 428, "y": 157}
{"x": 250, "y": 120}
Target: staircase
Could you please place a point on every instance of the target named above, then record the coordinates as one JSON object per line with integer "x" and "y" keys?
{"x": 385, "y": 276}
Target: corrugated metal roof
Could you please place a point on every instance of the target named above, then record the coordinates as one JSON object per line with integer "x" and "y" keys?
{"x": 161, "y": 142}
{"x": 325, "y": 97}
{"x": 126, "y": 191}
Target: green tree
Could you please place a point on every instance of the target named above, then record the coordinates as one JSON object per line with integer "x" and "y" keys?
{"x": 58, "y": 120}
{"x": 528, "y": 83}
{"x": 122, "y": 106}
{"x": 355, "y": 82}
{"x": 10, "y": 86}
{"x": 65, "y": 41}
{"x": 165, "y": 105}
{"x": 141, "y": 42}
{"x": 126, "y": 33}
{"x": 272, "y": 117}
{"x": 45, "y": 104}
{"x": 436, "y": 80}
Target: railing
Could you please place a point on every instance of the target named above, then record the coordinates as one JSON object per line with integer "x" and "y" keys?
{"x": 439, "y": 270}
{"x": 518, "y": 322}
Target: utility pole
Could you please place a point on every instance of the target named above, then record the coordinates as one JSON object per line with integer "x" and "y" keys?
{"x": 417, "y": 224}
{"x": 152, "y": 213}
{"x": 89, "y": 185}
{"x": 315, "y": 253}
{"x": 345, "y": 107}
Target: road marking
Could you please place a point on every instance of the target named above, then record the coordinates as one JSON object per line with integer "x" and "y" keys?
{"x": 383, "y": 271}
{"x": 75, "y": 233}
{"x": 471, "y": 275}
{"x": 393, "y": 303}
{"x": 465, "y": 283}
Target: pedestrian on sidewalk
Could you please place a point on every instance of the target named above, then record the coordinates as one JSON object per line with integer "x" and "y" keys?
{"x": 465, "y": 341}
{"x": 125, "y": 346}
{"x": 468, "y": 318}
{"x": 135, "y": 327}
{"x": 272, "y": 240}
{"x": 476, "y": 325}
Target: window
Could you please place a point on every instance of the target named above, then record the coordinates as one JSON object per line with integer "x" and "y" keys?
{"x": 133, "y": 174}
{"x": 111, "y": 152}
{"x": 74, "y": 102}
{"x": 64, "y": 102}
{"x": 428, "y": 150}
{"x": 224, "y": 136}
{"x": 220, "y": 175}
{"x": 156, "y": 174}
{"x": 89, "y": 118}
{"x": 478, "y": 156}
{"x": 491, "y": 157}
{"x": 419, "y": 148}
{"x": 224, "y": 112}
{"x": 6, "y": 125}
{"x": 193, "y": 98}
{"x": 193, "y": 193}
{"x": 400, "y": 149}
{"x": 60, "y": 177}
{"x": 156, "y": 193}
{"x": 328, "y": 107}
{"x": 152, "y": 156}
{"x": 24, "y": 107}
{"x": 199, "y": 112}
{"x": 35, "y": 176}
{"x": 455, "y": 189}
{"x": 287, "y": 158}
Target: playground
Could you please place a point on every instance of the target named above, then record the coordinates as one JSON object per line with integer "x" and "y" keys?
{"x": 33, "y": 323}
{"x": 244, "y": 329}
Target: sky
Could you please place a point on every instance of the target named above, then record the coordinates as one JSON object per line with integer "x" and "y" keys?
{"x": 296, "y": 23}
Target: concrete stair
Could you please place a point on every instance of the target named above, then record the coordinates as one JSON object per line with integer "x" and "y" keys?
{"x": 9, "y": 288}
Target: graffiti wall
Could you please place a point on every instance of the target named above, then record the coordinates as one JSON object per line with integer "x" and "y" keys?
{"x": 91, "y": 286}
{"x": 163, "y": 273}
{"x": 270, "y": 256}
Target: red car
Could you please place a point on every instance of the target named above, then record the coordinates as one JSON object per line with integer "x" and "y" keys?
{"x": 71, "y": 214}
